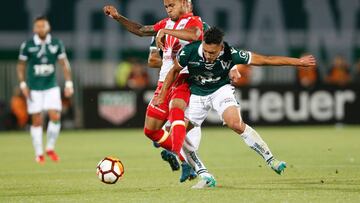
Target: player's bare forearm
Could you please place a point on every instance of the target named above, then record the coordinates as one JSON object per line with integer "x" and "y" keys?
{"x": 131, "y": 26}
{"x": 170, "y": 78}
{"x": 304, "y": 61}
{"x": 136, "y": 28}
{"x": 20, "y": 68}
{"x": 189, "y": 34}
{"x": 64, "y": 63}
{"x": 154, "y": 59}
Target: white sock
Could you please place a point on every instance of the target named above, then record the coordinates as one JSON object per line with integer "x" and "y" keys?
{"x": 36, "y": 135}
{"x": 255, "y": 142}
{"x": 53, "y": 131}
{"x": 195, "y": 162}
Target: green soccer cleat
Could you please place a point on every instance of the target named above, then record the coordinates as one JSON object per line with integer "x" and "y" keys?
{"x": 187, "y": 172}
{"x": 206, "y": 181}
{"x": 277, "y": 166}
{"x": 171, "y": 158}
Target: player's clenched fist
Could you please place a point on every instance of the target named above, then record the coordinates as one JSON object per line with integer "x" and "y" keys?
{"x": 308, "y": 61}
{"x": 110, "y": 11}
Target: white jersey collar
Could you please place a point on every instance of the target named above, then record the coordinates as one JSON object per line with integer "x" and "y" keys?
{"x": 38, "y": 41}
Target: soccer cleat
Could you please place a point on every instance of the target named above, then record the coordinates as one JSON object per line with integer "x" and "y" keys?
{"x": 171, "y": 159}
{"x": 277, "y": 166}
{"x": 40, "y": 159}
{"x": 206, "y": 181}
{"x": 53, "y": 156}
{"x": 187, "y": 172}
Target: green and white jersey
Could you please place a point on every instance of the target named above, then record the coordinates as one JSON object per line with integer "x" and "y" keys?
{"x": 41, "y": 58}
{"x": 205, "y": 78}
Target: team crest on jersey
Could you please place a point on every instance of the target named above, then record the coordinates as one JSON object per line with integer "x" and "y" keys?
{"x": 53, "y": 48}
{"x": 117, "y": 107}
{"x": 225, "y": 65}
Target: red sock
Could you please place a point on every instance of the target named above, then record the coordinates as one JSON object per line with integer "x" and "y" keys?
{"x": 178, "y": 131}
{"x": 157, "y": 135}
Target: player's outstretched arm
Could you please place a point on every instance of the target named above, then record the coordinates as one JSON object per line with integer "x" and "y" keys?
{"x": 131, "y": 26}
{"x": 20, "y": 68}
{"x": 305, "y": 61}
{"x": 170, "y": 78}
{"x": 69, "y": 86}
{"x": 187, "y": 34}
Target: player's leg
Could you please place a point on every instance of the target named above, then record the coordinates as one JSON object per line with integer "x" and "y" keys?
{"x": 179, "y": 97}
{"x": 34, "y": 106}
{"x": 196, "y": 113}
{"x": 52, "y": 103}
{"x": 53, "y": 131}
{"x": 230, "y": 114}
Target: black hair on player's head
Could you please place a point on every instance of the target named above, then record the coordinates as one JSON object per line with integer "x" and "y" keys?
{"x": 41, "y": 18}
{"x": 213, "y": 36}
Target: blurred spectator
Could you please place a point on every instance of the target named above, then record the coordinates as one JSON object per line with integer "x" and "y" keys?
{"x": 122, "y": 73}
{"x": 19, "y": 108}
{"x": 307, "y": 76}
{"x": 339, "y": 73}
{"x": 138, "y": 78}
{"x": 356, "y": 78}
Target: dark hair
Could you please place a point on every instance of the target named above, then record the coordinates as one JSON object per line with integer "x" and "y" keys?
{"x": 41, "y": 18}
{"x": 213, "y": 36}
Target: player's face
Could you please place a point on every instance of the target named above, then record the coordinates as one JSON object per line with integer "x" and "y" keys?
{"x": 175, "y": 8}
{"x": 42, "y": 28}
{"x": 212, "y": 51}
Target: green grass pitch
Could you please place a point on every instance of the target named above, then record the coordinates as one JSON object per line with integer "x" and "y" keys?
{"x": 323, "y": 166}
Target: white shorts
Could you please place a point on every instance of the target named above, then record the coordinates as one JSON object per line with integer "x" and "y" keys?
{"x": 199, "y": 106}
{"x": 44, "y": 100}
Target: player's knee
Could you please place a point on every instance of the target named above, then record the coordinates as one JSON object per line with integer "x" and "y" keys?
{"x": 36, "y": 120}
{"x": 149, "y": 133}
{"x": 178, "y": 103}
{"x": 238, "y": 126}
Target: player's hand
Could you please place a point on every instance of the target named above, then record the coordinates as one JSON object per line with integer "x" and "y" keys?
{"x": 68, "y": 92}
{"x": 160, "y": 39}
{"x": 111, "y": 11}
{"x": 308, "y": 61}
{"x": 158, "y": 100}
{"x": 234, "y": 76}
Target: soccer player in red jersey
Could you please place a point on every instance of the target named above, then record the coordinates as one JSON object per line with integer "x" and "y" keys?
{"x": 174, "y": 32}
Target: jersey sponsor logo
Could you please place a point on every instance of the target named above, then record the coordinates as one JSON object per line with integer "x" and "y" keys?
{"x": 194, "y": 63}
{"x": 44, "y": 70}
{"x": 33, "y": 49}
{"x": 53, "y": 48}
{"x": 209, "y": 78}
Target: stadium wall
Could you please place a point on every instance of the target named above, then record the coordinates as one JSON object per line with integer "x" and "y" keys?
{"x": 262, "y": 105}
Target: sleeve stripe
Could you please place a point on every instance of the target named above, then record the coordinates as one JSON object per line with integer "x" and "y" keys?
{"x": 153, "y": 48}
{"x": 250, "y": 57}
{"x": 62, "y": 56}
{"x": 23, "y": 58}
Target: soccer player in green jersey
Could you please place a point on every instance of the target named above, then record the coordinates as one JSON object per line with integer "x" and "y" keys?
{"x": 36, "y": 73}
{"x": 211, "y": 65}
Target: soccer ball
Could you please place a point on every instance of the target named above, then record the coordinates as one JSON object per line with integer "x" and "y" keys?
{"x": 109, "y": 170}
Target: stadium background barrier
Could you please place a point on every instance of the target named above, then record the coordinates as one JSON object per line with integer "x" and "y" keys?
{"x": 262, "y": 105}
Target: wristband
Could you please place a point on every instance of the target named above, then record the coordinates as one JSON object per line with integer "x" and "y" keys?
{"x": 23, "y": 85}
{"x": 69, "y": 84}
